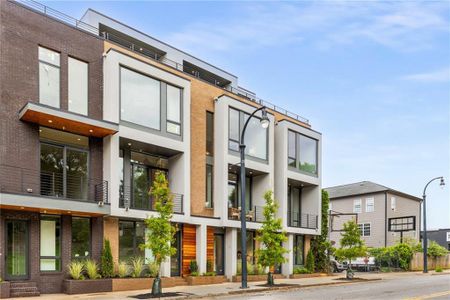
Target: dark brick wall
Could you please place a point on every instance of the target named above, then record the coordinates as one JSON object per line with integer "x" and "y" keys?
{"x": 21, "y": 32}
{"x": 49, "y": 282}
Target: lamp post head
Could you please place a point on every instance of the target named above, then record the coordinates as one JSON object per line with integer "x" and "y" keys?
{"x": 442, "y": 182}
{"x": 265, "y": 119}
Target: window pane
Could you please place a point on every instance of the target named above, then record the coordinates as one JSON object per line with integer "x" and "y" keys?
{"x": 140, "y": 239}
{"x": 173, "y": 104}
{"x": 209, "y": 186}
{"x": 308, "y": 154}
{"x": 81, "y": 237}
{"x": 50, "y": 246}
{"x": 291, "y": 149}
{"x": 209, "y": 133}
{"x": 77, "y": 174}
{"x": 234, "y": 125}
{"x": 150, "y": 160}
{"x": 173, "y": 128}
{"x": 250, "y": 249}
{"x": 141, "y": 187}
{"x": 49, "y": 56}
{"x": 78, "y": 86}
{"x": 298, "y": 250}
{"x": 48, "y": 84}
{"x": 63, "y": 137}
{"x": 140, "y": 99}
{"x": 52, "y": 170}
{"x": 255, "y": 138}
{"x": 126, "y": 237}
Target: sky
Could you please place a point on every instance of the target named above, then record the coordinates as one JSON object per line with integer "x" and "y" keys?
{"x": 372, "y": 77}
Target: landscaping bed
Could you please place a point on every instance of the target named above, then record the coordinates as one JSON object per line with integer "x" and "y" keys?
{"x": 130, "y": 284}
{"x": 237, "y": 278}
{"x": 300, "y": 276}
{"x": 202, "y": 280}
{"x": 87, "y": 286}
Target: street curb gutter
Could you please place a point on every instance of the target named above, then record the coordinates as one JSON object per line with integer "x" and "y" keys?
{"x": 283, "y": 288}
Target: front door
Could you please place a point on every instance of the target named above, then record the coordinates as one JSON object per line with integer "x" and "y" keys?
{"x": 16, "y": 257}
{"x": 219, "y": 253}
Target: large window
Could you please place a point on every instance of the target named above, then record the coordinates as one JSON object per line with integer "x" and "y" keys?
{"x": 173, "y": 110}
{"x": 209, "y": 133}
{"x": 140, "y": 98}
{"x": 50, "y": 243}
{"x": 250, "y": 246}
{"x": 302, "y": 152}
{"x": 78, "y": 86}
{"x": 299, "y": 248}
{"x": 209, "y": 186}
{"x": 49, "y": 73}
{"x": 255, "y": 135}
{"x": 131, "y": 235}
{"x": 81, "y": 237}
{"x": 234, "y": 194}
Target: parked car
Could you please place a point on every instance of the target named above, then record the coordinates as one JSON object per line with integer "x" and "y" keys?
{"x": 364, "y": 264}
{"x": 337, "y": 266}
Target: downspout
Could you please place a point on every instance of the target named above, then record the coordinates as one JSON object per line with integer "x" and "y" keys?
{"x": 385, "y": 219}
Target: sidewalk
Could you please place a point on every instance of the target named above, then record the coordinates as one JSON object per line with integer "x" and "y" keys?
{"x": 230, "y": 288}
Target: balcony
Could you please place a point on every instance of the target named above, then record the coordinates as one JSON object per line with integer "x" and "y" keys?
{"x": 300, "y": 220}
{"x": 138, "y": 199}
{"x": 254, "y": 215}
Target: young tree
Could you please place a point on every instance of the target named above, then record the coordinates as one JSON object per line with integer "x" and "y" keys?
{"x": 352, "y": 246}
{"x": 107, "y": 263}
{"x": 272, "y": 237}
{"x": 320, "y": 245}
{"x": 160, "y": 232}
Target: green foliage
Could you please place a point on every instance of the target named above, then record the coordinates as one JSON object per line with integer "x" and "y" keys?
{"x": 301, "y": 270}
{"x": 209, "y": 274}
{"x": 193, "y": 267}
{"x": 271, "y": 235}
{"x": 209, "y": 266}
{"x": 153, "y": 269}
{"x": 194, "y": 274}
{"x": 137, "y": 266}
{"x": 239, "y": 269}
{"x": 75, "y": 269}
{"x": 438, "y": 269}
{"x": 107, "y": 263}
{"x": 91, "y": 269}
{"x": 352, "y": 246}
{"x": 160, "y": 232}
{"x": 309, "y": 265}
{"x": 122, "y": 269}
{"x": 255, "y": 269}
{"x": 436, "y": 250}
{"x": 320, "y": 245}
{"x": 398, "y": 256}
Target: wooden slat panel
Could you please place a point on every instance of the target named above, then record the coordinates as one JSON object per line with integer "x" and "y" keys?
{"x": 210, "y": 245}
{"x": 189, "y": 247}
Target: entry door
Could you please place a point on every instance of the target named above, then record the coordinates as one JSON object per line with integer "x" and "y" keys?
{"x": 16, "y": 250}
{"x": 219, "y": 253}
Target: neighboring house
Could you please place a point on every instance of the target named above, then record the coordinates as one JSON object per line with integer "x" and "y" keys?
{"x": 440, "y": 236}
{"x": 92, "y": 109}
{"x": 375, "y": 206}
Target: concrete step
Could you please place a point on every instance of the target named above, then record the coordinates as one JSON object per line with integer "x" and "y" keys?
{"x": 24, "y": 294}
{"x": 19, "y": 284}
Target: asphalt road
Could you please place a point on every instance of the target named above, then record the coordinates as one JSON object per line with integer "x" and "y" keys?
{"x": 409, "y": 287}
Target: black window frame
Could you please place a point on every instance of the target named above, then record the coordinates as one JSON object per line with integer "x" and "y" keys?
{"x": 298, "y": 152}
{"x": 135, "y": 246}
{"x": 57, "y": 257}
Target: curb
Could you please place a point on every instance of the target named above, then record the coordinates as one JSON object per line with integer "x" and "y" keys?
{"x": 284, "y": 288}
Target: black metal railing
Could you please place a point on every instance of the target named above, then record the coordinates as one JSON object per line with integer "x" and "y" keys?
{"x": 253, "y": 215}
{"x": 62, "y": 185}
{"x": 300, "y": 220}
{"x": 135, "y": 198}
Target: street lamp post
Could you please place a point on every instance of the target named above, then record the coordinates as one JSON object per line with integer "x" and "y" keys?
{"x": 425, "y": 240}
{"x": 264, "y": 124}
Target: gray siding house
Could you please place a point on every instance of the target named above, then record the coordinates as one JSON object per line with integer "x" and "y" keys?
{"x": 375, "y": 206}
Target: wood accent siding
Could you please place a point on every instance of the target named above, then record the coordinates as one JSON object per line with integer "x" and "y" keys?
{"x": 189, "y": 247}
{"x": 210, "y": 246}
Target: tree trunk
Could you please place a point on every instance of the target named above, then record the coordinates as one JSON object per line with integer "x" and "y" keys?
{"x": 270, "y": 279}
{"x": 156, "y": 287}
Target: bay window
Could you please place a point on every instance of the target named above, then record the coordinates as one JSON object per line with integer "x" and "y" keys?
{"x": 49, "y": 77}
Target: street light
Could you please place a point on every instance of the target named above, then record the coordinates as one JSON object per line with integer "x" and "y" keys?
{"x": 425, "y": 240}
{"x": 264, "y": 122}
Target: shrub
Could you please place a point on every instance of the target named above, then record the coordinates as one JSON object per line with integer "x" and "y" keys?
{"x": 438, "y": 269}
{"x": 91, "y": 269}
{"x": 385, "y": 269}
{"x": 398, "y": 256}
{"x": 122, "y": 269}
{"x": 75, "y": 269}
{"x": 209, "y": 274}
{"x": 137, "y": 266}
{"x": 153, "y": 269}
{"x": 301, "y": 270}
{"x": 193, "y": 267}
{"x": 310, "y": 262}
{"x": 239, "y": 269}
{"x": 194, "y": 274}
{"x": 107, "y": 263}
{"x": 209, "y": 266}
{"x": 435, "y": 250}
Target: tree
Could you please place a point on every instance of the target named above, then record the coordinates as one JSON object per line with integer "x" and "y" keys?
{"x": 352, "y": 246}
{"x": 320, "y": 245}
{"x": 107, "y": 263}
{"x": 272, "y": 237}
{"x": 160, "y": 232}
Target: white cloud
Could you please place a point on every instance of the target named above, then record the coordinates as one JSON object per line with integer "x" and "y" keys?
{"x": 404, "y": 26}
{"x": 441, "y": 75}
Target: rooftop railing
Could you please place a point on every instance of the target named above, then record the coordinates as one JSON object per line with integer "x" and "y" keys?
{"x": 153, "y": 55}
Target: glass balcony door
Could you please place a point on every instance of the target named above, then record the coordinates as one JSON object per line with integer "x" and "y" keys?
{"x": 16, "y": 249}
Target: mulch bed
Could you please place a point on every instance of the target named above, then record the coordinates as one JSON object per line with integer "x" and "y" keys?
{"x": 163, "y": 295}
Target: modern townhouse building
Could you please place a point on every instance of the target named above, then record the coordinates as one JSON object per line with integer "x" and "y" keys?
{"x": 91, "y": 109}
{"x": 385, "y": 216}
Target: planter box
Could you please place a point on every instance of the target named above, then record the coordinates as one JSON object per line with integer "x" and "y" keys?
{"x": 131, "y": 284}
{"x": 299, "y": 276}
{"x": 237, "y": 278}
{"x": 4, "y": 290}
{"x": 202, "y": 280}
{"x": 87, "y": 286}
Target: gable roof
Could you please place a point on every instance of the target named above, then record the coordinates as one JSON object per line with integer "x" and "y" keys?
{"x": 361, "y": 188}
